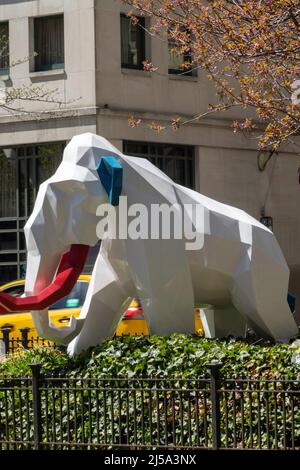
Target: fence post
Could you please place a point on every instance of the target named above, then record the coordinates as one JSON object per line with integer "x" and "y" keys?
{"x": 24, "y": 333}
{"x": 5, "y": 333}
{"x": 36, "y": 396}
{"x": 214, "y": 369}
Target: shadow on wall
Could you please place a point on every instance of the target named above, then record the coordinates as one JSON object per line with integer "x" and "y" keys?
{"x": 294, "y": 288}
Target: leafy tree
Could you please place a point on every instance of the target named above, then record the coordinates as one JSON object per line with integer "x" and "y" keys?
{"x": 250, "y": 49}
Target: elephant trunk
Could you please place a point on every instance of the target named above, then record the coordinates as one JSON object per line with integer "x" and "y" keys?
{"x": 69, "y": 269}
{"x": 52, "y": 267}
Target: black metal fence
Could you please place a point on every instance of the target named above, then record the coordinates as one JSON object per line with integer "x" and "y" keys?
{"x": 12, "y": 343}
{"x": 107, "y": 413}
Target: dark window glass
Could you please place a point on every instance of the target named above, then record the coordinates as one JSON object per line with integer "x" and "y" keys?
{"x": 75, "y": 299}
{"x": 179, "y": 63}
{"x": 175, "y": 169}
{"x": 29, "y": 151}
{"x": 7, "y": 185}
{"x": 132, "y": 43}
{"x": 46, "y": 167}
{"x": 49, "y": 43}
{"x": 23, "y": 257}
{"x": 8, "y": 258}
{"x": 15, "y": 291}
{"x": 22, "y": 240}
{"x": 22, "y": 271}
{"x": 177, "y": 161}
{"x": 22, "y": 187}
{"x": 22, "y": 223}
{"x": 8, "y": 241}
{"x": 48, "y": 150}
{"x": 159, "y": 163}
{"x": 189, "y": 174}
{"x": 4, "y": 48}
{"x": 8, "y": 224}
{"x": 91, "y": 259}
{"x": 7, "y": 273}
{"x": 31, "y": 183}
{"x": 30, "y": 166}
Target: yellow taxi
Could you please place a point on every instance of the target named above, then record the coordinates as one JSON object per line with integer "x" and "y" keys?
{"x": 60, "y": 312}
{"x": 132, "y": 323}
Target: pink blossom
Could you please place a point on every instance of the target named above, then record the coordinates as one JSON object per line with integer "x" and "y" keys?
{"x": 149, "y": 67}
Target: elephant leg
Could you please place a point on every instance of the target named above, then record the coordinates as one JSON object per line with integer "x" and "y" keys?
{"x": 105, "y": 303}
{"x": 263, "y": 301}
{"x": 166, "y": 315}
{"x": 164, "y": 284}
{"x": 222, "y": 322}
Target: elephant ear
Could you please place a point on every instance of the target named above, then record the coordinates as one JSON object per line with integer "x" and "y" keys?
{"x": 110, "y": 172}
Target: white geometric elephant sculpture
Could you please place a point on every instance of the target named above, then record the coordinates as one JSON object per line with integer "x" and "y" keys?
{"x": 239, "y": 271}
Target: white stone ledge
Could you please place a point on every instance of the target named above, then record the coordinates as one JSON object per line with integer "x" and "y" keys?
{"x": 51, "y": 115}
{"x": 48, "y": 73}
{"x": 4, "y": 78}
{"x": 188, "y": 78}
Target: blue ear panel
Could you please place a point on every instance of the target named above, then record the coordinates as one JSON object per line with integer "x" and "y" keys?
{"x": 110, "y": 172}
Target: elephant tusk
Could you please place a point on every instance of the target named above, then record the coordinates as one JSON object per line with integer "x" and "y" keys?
{"x": 61, "y": 335}
{"x": 70, "y": 267}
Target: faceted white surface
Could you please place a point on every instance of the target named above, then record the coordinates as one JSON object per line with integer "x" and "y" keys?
{"x": 239, "y": 271}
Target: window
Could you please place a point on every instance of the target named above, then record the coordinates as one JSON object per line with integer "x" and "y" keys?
{"x": 179, "y": 63}
{"x": 177, "y": 161}
{"x": 75, "y": 299}
{"x": 49, "y": 43}
{"x": 4, "y": 48}
{"x": 91, "y": 258}
{"x": 22, "y": 170}
{"x": 132, "y": 43}
{"x": 15, "y": 291}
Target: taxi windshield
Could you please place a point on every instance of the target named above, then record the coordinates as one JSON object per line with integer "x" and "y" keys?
{"x": 74, "y": 299}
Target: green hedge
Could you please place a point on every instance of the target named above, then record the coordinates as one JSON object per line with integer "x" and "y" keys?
{"x": 172, "y": 356}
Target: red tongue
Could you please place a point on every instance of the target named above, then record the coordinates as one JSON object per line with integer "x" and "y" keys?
{"x": 70, "y": 267}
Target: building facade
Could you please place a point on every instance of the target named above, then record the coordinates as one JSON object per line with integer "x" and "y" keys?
{"x": 90, "y": 53}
